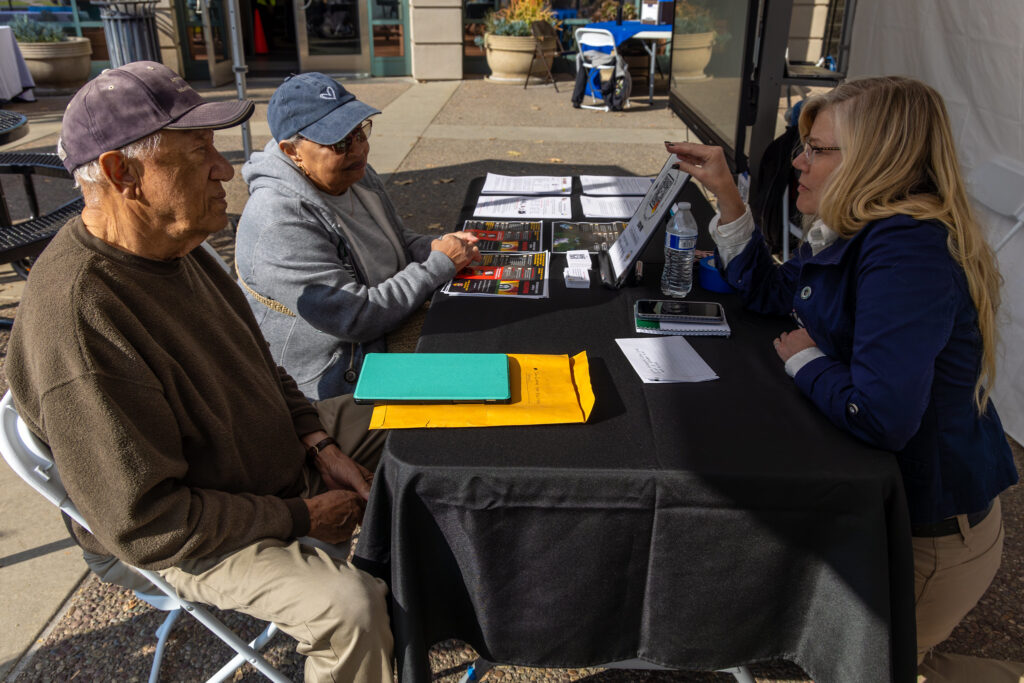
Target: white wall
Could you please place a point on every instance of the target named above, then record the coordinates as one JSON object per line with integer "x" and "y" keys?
{"x": 972, "y": 53}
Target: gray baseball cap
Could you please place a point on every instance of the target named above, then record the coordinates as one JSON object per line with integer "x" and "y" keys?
{"x": 128, "y": 103}
{"x": 317, "y": 107}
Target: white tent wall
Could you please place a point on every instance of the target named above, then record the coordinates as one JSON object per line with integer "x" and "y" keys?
{"x": 972, "y": 53}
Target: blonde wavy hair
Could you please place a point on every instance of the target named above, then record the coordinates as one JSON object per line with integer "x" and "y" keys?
{"x": 899, "y": 158}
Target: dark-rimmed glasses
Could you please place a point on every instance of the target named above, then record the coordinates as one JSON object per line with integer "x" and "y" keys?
{"x": 362, "y": 133}
{"x": 809, "y": 151}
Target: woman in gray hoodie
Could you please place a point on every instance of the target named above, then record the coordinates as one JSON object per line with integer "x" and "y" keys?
{"x": 321, "y": 253}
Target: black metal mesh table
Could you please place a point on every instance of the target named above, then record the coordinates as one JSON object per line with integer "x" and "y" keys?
{"x": 12, "y": 126}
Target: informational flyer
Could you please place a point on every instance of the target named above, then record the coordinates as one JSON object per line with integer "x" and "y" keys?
{"x": 527, "y": 184}
{"x": 653, "y": 208}
{"x": 506, "y": 235}
{"x": 502, "y": 206}
{"x": 609, "y": 207}
{"x": 615, "y": 185}
{"x": 521, "y": 275}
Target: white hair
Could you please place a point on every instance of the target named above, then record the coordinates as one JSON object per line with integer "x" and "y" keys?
{"x": 92, "y": 174}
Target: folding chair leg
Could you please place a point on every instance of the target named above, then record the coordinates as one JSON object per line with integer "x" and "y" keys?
{"x": 529, "y": 71}
{"x": 740, "y": 673}
{"x": 257, "y": 643}
{"x": 476, "y": 670}
{"x": 161, "y": 642}
{"x": 229, "y": 637}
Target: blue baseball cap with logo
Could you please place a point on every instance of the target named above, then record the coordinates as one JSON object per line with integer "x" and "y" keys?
{"x": 316, "y": 107}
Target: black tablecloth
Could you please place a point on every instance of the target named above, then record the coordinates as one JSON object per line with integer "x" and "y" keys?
{"x": 696, "y": 526}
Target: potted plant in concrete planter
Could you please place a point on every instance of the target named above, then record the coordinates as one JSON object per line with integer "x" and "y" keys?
{"x": 53, "y": 59}
{"x": 693, "y": 35}
{"x": 608, "y": 11}
{"x": 509, "y": 43}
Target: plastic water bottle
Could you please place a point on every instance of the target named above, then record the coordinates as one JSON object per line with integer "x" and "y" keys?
{"x": 680, "y": 240}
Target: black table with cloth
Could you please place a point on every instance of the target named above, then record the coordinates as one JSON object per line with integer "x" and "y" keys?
{"x": 697, "y": 526}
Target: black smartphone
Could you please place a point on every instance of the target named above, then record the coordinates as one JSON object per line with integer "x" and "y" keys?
{"x": 707, "y": 312}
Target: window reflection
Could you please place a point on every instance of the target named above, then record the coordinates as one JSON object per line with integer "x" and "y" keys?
{"x": 473, "y": 13}
{"x": 388, "y": 40}
{"x": 707, "y": 61}
{"x": 332, "y": 27}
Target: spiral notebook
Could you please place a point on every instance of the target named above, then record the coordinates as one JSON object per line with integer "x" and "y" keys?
{"x": 721, "y": 329}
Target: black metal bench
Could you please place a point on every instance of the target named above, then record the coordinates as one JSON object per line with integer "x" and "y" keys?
{"x": 27, "y": 239}
{"x": 12, "y": 126}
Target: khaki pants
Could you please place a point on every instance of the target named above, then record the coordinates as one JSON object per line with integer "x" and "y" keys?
{"x": 951, "y": 573}
{"x": 336, "y": 612}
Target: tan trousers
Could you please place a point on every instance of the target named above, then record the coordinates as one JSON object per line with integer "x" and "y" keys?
{"x": 951, "y": 573}
{"x": 336, "y": 612}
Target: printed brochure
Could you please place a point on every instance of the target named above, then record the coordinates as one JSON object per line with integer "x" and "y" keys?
{"x": 522, "y": 275}
{"x": 506, "y": 235}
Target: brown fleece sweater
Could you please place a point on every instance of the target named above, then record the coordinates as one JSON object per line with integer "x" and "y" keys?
{"x": 173, "y": 430}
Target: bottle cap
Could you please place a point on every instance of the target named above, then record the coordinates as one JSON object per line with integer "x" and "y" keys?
{"x": 683, "y": 206}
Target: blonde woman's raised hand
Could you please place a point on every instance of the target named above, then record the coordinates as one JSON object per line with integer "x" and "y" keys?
{"x": 708, "y": 165}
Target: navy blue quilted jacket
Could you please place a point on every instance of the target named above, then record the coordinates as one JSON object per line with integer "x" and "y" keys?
{"x": 890, "y": 309}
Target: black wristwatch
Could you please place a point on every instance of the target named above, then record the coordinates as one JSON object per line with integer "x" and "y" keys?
{"x": 312, "y": 451}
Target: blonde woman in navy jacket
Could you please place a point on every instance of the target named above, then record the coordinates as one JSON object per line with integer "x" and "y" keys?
{"x": 895, "y": 294}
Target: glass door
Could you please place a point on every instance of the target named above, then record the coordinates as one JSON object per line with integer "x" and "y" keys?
{"x": 215, "y": 35}
{"x": 203, "y": 32}
{"x": 390, "y": 45}
{"x": 332, "y": 36}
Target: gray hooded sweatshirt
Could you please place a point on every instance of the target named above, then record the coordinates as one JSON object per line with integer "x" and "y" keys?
{"x": 348, "y": 281}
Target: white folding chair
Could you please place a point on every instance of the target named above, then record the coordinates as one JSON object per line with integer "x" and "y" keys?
{"x": 213, "y": 252}
{"x": 591, "y": 58}
{"x": 999, "y": 184}
{"x": 31, "y": 459}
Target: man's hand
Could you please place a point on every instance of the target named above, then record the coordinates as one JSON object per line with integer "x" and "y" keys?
{"x": 339, "y": 471}
{"x": 334, "y": 515}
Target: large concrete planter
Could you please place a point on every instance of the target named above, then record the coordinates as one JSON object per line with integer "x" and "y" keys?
{"x": 508, "y": 57}
{"x": 691, "y": 53}
{"x": 58, "y": 65}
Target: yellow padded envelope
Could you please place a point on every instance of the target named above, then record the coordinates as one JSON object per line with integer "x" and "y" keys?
{"x": 546, "y": 389}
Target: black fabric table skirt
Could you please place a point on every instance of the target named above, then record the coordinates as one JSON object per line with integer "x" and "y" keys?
{"x": 697, "y": 526}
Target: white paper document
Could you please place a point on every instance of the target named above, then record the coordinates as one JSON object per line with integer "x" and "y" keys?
{"x": 609, "y": 207}
{"x": 500, "y": 206}
{"x": 527, "y": 184}
{"x": 665, "y": 359}
{"x": 615, "y": 185}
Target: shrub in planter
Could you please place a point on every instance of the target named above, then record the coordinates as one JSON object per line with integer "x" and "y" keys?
{"x": 53, "y": 59}
{"x": 693, "y": 36}
{"x": 509, "y": 43}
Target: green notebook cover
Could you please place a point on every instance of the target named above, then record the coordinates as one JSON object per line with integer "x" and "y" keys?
{"x": 433, "y": 378}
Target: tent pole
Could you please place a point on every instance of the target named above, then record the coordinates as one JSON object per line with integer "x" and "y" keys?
{"x": 239, "y": 68}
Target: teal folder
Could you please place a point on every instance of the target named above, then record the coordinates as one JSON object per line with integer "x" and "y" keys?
{"x": 433, "y": 378}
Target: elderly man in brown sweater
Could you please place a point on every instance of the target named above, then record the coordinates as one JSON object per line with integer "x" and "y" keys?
{"x": 137, "y": 359}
